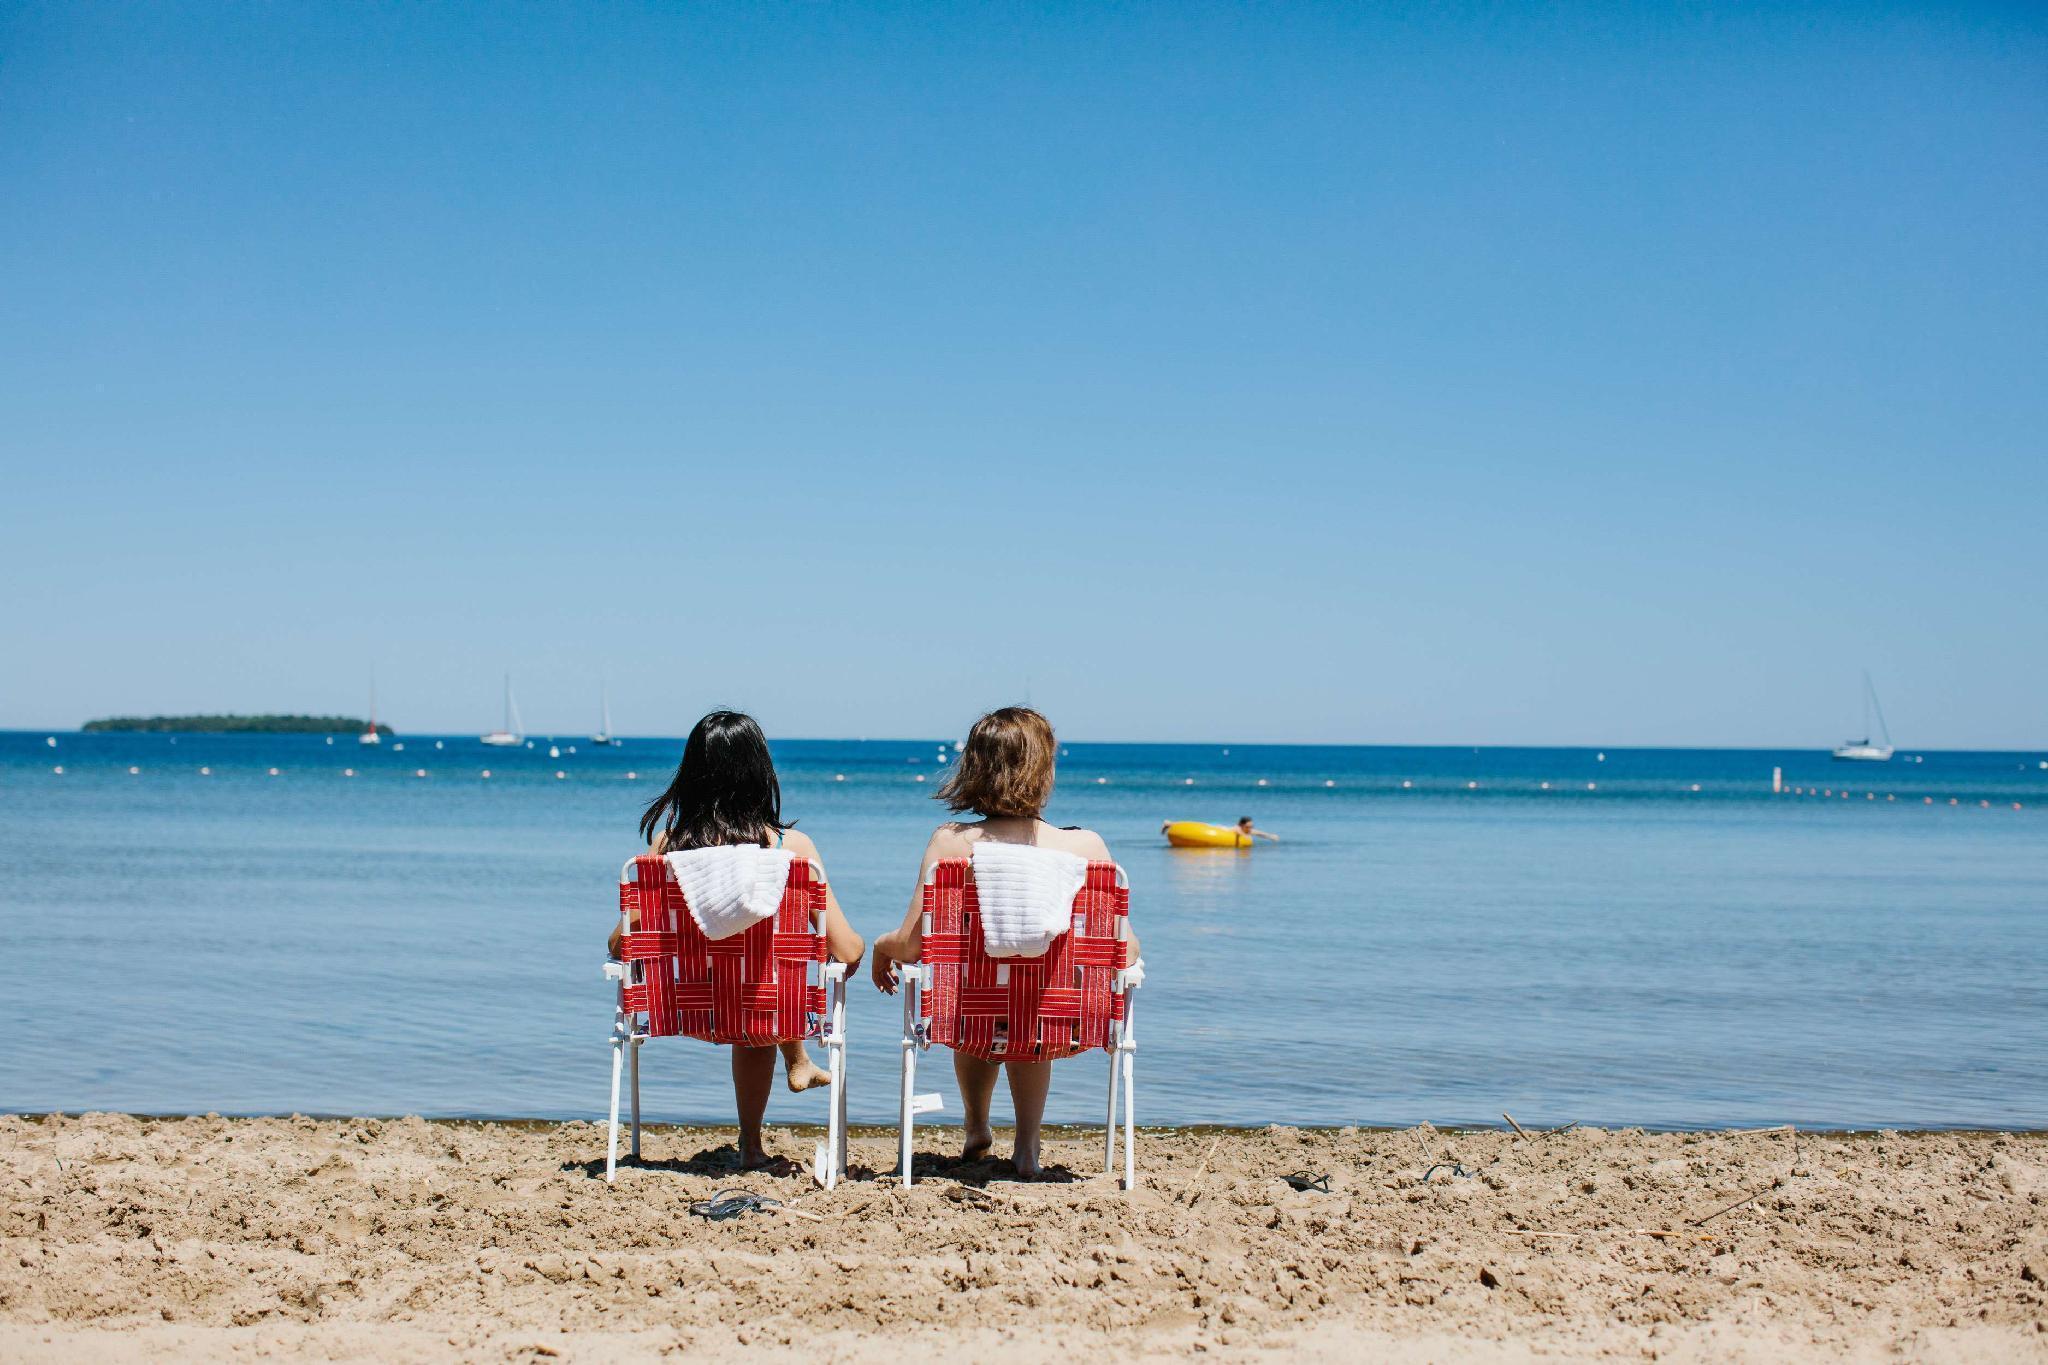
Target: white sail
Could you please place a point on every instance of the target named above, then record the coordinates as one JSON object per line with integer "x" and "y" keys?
{"x": 514, "y": 732}
{"x": 1864, "y": 750}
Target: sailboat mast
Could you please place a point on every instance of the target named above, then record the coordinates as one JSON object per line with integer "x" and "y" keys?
{"x": 1871, "y": 703}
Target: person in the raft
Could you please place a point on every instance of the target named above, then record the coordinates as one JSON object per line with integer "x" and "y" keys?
{"x": 1244, "y": 827}
{"x": 725, "y": 792}
{"x": 1004, "y": 775}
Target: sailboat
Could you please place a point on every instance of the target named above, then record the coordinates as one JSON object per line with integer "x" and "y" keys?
{"x": 370, "y": 736}
{"x": 604, "y": 728}
{"x": 513, "y": 735}
{"x": 1862, "y": 750}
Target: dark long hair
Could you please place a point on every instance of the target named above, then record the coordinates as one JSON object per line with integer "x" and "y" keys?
{"x": 724, "y": 790}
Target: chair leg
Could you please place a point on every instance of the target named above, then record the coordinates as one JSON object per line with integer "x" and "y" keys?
{"x": 835, "y": 1125}
{"x": 1109, "y": 1123}
{"x": 633, "y": 1063}
{"x": 1129, "y": 1057}
{"x": 906, "y": 1118}
{"x": 611, "y": 1152}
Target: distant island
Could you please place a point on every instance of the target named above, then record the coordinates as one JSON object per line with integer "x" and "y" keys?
{"x": 236, "y": 725}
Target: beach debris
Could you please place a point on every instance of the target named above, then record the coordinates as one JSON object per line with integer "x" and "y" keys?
{"x": 1777, "y": 1182}
{"x": 1191, "y": 1191}
{"x": 731, "y": 1204}
{"x": 1304, "y": 1181}
{"x": 1520, "y": 1132}
{"x": 1561, "y": 1128}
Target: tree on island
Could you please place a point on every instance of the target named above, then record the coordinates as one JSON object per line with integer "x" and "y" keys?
{"x": 236, "y": 725}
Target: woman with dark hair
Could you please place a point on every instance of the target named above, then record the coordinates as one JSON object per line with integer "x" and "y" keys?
{"x": 725, "y": 793}
{"x": 1005, "y": 775}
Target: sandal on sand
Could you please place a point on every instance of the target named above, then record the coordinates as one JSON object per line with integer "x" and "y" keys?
{"x": 731, "y": 1204}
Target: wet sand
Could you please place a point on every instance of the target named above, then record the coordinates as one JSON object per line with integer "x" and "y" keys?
{"x": 125, "y": 1238}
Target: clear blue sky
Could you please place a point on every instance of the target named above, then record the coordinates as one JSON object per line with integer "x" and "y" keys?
{"x": 1349, "y": 373}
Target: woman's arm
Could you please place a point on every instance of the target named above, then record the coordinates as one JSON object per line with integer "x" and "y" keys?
{"x": 905, "y": 943}
{"x": 840, "y": 939}
{"x": 1098, "y": 852}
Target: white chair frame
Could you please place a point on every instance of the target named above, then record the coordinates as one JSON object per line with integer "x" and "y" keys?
{"x": 914, "y": 978}
{"x": 828, "y": 1162}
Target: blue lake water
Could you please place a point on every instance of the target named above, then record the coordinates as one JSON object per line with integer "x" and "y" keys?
{"x": 1617, "y": 948}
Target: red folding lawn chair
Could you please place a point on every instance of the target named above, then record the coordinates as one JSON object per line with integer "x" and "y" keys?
{"x": 771, "y": 983}
{"x": 1074, "y": 997}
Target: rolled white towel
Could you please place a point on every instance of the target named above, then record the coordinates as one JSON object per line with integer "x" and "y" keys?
{"x": 731, "y": 887}
{"x": 1026, "y": 895}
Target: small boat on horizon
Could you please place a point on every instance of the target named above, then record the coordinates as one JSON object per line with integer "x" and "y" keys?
{"x": 1862, "y": 750}
{"x": 513, "y": 734}
{"x": 370, "y": 736}
{"x": 604, "y": 725}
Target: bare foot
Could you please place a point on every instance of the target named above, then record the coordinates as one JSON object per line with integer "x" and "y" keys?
{"x": 806, "y": 1074}
{"x": 1025, "y": 1159}
{"x": 977, "y": 1144}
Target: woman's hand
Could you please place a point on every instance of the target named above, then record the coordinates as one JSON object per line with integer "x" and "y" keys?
{"x": 883, "y": 969}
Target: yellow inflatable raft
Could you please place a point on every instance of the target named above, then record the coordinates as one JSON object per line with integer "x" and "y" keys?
{"x": 1195, "y": 834}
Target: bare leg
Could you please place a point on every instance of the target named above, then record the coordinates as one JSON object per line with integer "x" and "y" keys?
{"x": 798, "y": 1068}
{"x": 1029, "y": 1082}
{"x": 977, "y": 1080}
{"x": 753, "y": 1076}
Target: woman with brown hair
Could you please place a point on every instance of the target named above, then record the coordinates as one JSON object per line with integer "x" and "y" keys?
{"x": 1004, "y": 775}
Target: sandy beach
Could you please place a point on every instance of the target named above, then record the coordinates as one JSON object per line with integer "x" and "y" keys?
{"x": 130, "y": 1238}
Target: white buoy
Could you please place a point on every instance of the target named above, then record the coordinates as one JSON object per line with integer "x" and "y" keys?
{"x": 51, "y": 740}
{"x": 132, "y": 772}
{"x": 529, "y": 744}
{"x": 1328, "y": 783}
{"x": 398, "y": 748}
{"x": 632, "y": 777}
{"x": 1261, "y": 782}
{"x": 206, "y": 772}
{"x": 330, "y": 739}
{"x": 1406, "y": 784}
{"x": 1695, "y": 786}
{"x": 572, "y": 748}
{"x": 437, "y": 744}
{"x": 273, "y": 772}
{"x": 485, "y": 773}
{"x": 1544, "y": 785}
{"x": 1471, "y": 786}
{"x": 1599, "y": 758}
{"x": 559, "y": 774}
{"x": 553, "y": 752}
{"x": 59, "y": 770}
{"x": 919, "y": 777}
{"x": 839, "y": 777}
{"x": 1101, "y": 781}
{"x": 1590, "y": 786}
{"x": 419, "y": 772}
{"x": 348, "y": 772}
{"x": 1187, "y": 782}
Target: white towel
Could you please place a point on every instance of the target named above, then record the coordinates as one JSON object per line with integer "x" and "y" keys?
{"x": 731, "y": 887}
{"x": 1026, "y": 894}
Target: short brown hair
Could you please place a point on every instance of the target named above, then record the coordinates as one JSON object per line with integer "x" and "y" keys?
{"x": 1006, "y": 768}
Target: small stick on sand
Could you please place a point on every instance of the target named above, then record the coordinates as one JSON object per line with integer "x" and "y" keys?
{"x": 1188, "y": 1190}
{"x": 1512, "y": 1124}
{"x": 1749, "y": 1198}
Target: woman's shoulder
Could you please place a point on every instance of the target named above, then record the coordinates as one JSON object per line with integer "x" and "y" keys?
{"x": 799, "y": 843}
{"x": 1085, "y": 842}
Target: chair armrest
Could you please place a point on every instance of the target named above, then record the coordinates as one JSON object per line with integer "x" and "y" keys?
{"x": 1131, "y": 976}
{"x": 614, "y": 970}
